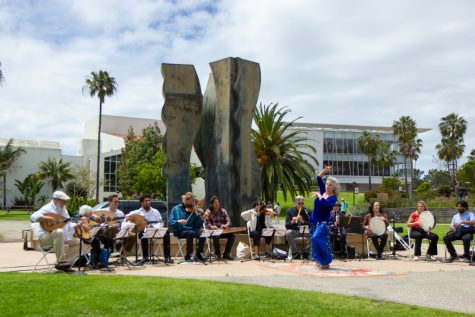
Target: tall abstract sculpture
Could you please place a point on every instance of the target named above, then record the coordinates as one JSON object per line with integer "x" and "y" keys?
{"x": 181, "y": 115}
{"x": 224, "y": 141}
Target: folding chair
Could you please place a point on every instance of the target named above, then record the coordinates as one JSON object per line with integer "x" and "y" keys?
{"x": 386, "y": 247}
{"x": 181, "y": 243}
{"x": 44, "y": 258}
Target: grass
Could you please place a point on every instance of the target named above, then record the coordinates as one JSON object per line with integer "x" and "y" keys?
{"x": 71, "y": 295}
{"x": 348, "y": 196}
{"x": 15, "y": 215}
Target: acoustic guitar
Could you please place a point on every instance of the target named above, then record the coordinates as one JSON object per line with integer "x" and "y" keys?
{"x": 106, "y": 216}
{"x": 80, "y": 232}
{"x": 58, "y": 223}
{"x": 140, "y": 222}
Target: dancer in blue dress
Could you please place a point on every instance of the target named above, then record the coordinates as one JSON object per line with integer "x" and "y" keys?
{"x": 321, "y": 217}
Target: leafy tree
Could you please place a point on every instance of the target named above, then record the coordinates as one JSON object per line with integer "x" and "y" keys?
{"x": 391, "y": 183}
{"x": 30, "y": 187}
{"x": 424, "y": 188}
{"x": 283, "y": 154}
{"x": 75, "y": 188}
{"x": 8, "y": 155}
{"x": 417, "y": 175}
{"x": 409, "y": 146}
{"x": 437, "y": 178}
{"x": 84, "y": 180}
{"x": 368, "y": 144}
{"x": 450, "y": 149}
{"x": 102, "y": 85}
{"x": 58, "y": 172}
{"x": 149, "y": 178}
{"x": 466, "y": 175}
{"x": 471, "y": 157}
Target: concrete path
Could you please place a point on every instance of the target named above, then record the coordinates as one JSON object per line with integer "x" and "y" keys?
{"x": 10, "y": 231}
{"x": 421, "y": 283}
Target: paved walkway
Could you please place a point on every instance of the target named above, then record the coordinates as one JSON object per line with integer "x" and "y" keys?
{"x": 421, "y": 283}
{"x": 10, "y": 230}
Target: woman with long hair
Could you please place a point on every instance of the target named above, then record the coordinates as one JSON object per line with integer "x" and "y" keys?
{"x": 418, "y": 233}
{"x": 321, "y": 218}
{"x": 379, "y": 241}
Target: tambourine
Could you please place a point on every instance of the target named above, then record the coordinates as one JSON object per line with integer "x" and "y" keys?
{"x": 377, "y": 226}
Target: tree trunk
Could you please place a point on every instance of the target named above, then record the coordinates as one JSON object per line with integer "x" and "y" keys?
{"x": 412, "y": 179}
{"x": 369, "y": 172}
{"x": 405, "y": 175}
{"x": 98, "y": 152}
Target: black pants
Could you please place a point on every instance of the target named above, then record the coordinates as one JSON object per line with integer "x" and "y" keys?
{"x": 379, "y": 242}
{"x": 466, "y": 235}
{"x": 229, "y": 243}
{"x": 190, "y": 236}
{"x": 419, "y": 234}
{"x": 166, "y": 245}
{"x": 256, "y": 238}
{"x": 338, "y": 241}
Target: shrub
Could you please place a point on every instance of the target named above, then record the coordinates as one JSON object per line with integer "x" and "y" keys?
{"x": 370, "y": 194}
{"x": 74, "y": 189}
{"x": 391, "y": 183}
{"x": 444, "y": 191}
{"x": 75, "y": 202}
{"x": 423, "y": 188}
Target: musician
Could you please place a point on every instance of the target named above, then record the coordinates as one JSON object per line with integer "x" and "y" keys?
{"x": 277, "y": 209}
{"x": 320, "y": 220}
{"x": 217, "y": 218}
{"x": 418, "y": 233}
{"x": 338, "y": 234}
{"x": 186, "y": 222}
{"x": 154, "y": 219}
{"x": 258, "y": 218}
{"x": 379, "y": 242}
{"x": 462, "y": 228}
{"x": 58, "y": 238}
{"x": 296, "y": 217}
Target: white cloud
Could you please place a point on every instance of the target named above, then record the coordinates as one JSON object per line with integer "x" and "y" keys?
{"x": 347, "y": 62}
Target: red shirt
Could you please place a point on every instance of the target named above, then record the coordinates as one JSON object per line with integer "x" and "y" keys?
{"x": 414, "y": 217}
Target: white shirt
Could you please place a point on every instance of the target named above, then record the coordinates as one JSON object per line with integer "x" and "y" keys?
{"x": 117, "y": 213}
{"x": 251, "y": 217}
{"x": 152, "y": 215}
{"x": 52, "y": 208}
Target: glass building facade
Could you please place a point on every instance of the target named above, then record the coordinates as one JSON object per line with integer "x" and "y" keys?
{"x": 111, "y": 182}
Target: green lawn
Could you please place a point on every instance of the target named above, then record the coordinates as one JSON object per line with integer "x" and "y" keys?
{"x": 71, "y": 295}
{"x": 348, "y": 196}
{"x": 15, "y": 215}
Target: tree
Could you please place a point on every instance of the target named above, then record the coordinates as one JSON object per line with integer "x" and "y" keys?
{"x": 149, "y": 178}
{"x": 102, "y": 85}
{"x": 466, "y": 175}
{"x": 57, "y": 171}
{"x": 282, "y": 153}
{"x": 471, "y": 156}
{"x": 368, "y": 144}
{"x": 8, "y": 155}
{"x": 417, "y": 174}
{"x": 437, "y": 178}
{"x": 450, "y": 149}
{"x": 2, "y": 79}
{"x": 30, "y": 187}
{"x": 406, "y": 132}
{"x": 385, "y": 157}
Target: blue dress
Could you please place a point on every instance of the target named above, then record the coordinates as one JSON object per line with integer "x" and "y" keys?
{"x": 320, "y": 221}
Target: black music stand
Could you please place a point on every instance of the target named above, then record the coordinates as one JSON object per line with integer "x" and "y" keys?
{"x": 123, "y": 234}
{"x": 151, "y": 234}
{"x": 354, "y": 224}
{"x": 272, "y": 232}
{"x": 302, "y": 231}
{"x": 214, "y": 233}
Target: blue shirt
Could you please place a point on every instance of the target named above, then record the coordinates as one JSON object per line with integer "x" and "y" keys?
{"x": 178, "y": 212}
{"x": 323, "y": 207}
{"x": 465, "y": 216}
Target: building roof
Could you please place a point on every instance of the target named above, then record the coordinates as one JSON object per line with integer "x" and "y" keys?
{"x": 352, "y": 128}
{"x": 119, "y": 126}
{"x": 32, "y": 144}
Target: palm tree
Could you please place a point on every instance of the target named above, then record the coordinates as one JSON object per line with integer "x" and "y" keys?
{"x": 102, "y": 85}
{"x": 406, "y": 132}
{"x": 8, "y": 155}
{"x": 415, "y": 151}
{"x": 368, "y": 144}
{"x": 2, "y": 79}
{"x": 57, "y": 171}
{"x": 471, "y": 157}
{"x": 282, "y": 153}
{"x": 30, "y": 187}
{"x": 385, "y": 157}
{"x": 452, "y": 129}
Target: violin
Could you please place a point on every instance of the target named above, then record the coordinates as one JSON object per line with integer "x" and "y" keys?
{"x": 268, "y": 211}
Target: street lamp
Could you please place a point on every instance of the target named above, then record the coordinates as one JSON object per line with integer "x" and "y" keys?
{"x": 354, "y": 187}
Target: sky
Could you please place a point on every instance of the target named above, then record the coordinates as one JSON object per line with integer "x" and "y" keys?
{"x": 358, "y": 62}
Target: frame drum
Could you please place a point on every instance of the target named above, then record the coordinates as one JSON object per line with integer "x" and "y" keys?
{"x": 377, "y": 226}
{"x": 427, "y": 220}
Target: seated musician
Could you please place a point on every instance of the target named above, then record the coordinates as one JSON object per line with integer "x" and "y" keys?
{"x": 218, "y": 219}
{"x": 462, "y": 228}
{"x": 296, "y": 217}
{"x": 379, "y": 242}
{"x": 58, "y": 238}
{"x": 338, "y": 234}
{"x": 154, "y": 219}
{"x": 186, "y": 222}
{"x": 258, "y": 218}
{"x": 418, "y": 233}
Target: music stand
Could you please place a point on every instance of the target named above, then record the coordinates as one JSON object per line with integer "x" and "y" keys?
{"x": 302, "y": 231}
{"x": 214, "y": 233}
{"x": 205, "y": 233}
{"x": 152, "y": 233}
{"x": 354, "y": 224}
{"x": 273, "y": 232}
{"x": 123, "y": 234}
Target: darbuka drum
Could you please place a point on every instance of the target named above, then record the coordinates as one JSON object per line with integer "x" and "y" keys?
{"x": 427, "y": 220}
{"x": 377, "y": 226}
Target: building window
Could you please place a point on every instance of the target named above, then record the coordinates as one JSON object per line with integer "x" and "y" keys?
{"x": 111, "y": 182}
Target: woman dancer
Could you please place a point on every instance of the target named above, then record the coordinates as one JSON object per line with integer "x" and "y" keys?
{"x": 320, "y": 219}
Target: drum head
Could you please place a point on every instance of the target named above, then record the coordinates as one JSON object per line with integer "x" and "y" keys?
{"x": 377, "y": 226}
{"x": 427, "y": 220}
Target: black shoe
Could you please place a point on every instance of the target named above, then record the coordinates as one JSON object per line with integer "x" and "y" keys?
{"x": 199, "y": 257}
{"x": 451, "y": 259}
{"x": 466, "y": 260}
{"x": 296, "y": 255}
{"x": 64, "y": 267}
{"x": 188, "y": 258}
{"x": 306, "y": 255}
{"x": 218, "y": 256}
{"x": 267, "y": 255}
{"x": 228, "y": 257}
{"x": 169, "y": 260}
